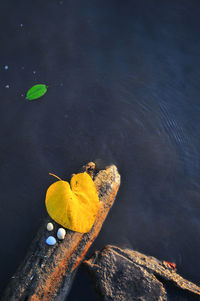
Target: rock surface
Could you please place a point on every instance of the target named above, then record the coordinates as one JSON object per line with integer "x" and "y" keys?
{"x": 124, "y": 275}
{"x": 47, "y": 271}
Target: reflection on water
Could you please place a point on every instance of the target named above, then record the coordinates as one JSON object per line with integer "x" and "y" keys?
{"x": 124, "y": 89}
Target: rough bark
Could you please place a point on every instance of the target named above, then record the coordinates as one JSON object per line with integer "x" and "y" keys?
{"x": 47, "y": 271}
{"x": 124, "y": 275}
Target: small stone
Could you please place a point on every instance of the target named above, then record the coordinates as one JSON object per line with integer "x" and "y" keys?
{"x": 34, "y": 72}
{"x": 6, "y": 67}
{"x": 7, "y": 86}
{"x": 49, "y": 226}
{"x": 61, "y": 233}
{"x": 51, "y": 241}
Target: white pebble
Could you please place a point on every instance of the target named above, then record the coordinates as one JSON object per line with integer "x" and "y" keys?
{"x": 6, "y": 67}
{"x": 7, "y": 86}
{"x": 61, "y": 233}
{"x": 51, "y": 241}
{"x": 34, "y": 72}
{"x": 49, "y": 226}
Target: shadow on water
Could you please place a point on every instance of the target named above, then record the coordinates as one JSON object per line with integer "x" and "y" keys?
{"x": 123, "y": 88}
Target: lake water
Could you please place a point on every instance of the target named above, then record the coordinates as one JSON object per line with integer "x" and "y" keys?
{"x": 124, "y": 88}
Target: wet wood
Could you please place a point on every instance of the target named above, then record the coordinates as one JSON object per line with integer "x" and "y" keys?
{"x": 47, "y": 271}
{"x": 123, "y": 274}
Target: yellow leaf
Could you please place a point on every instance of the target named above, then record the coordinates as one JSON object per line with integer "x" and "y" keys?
{"x": 74, "y": 207}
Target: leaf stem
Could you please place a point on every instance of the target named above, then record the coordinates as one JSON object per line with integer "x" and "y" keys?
{"x": 52, "y": 174}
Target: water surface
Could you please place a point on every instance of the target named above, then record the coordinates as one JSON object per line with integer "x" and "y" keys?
{"x": 124, "y": 84}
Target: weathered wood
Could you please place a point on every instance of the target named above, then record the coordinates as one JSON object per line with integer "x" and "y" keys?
{"x": 123, "y": 275}
{"x": 47, "y": 271}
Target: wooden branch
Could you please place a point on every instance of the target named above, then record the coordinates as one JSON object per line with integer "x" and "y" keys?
{"x": 123, "y": 274}
{"x": 47, "y": 271}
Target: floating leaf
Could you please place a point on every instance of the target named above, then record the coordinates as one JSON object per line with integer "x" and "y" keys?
{"x": 74, "y": 205}
{"x": 36, "y": 91}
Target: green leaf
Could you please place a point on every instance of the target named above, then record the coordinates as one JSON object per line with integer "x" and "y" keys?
{"x": 36, "y": 91}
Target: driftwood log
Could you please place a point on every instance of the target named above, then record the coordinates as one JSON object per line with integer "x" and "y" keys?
{"x": 127, "y": 275}
{"x": 47, "y": 271}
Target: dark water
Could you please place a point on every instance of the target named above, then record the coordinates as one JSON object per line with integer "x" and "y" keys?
{"x": 124, "y": 88}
